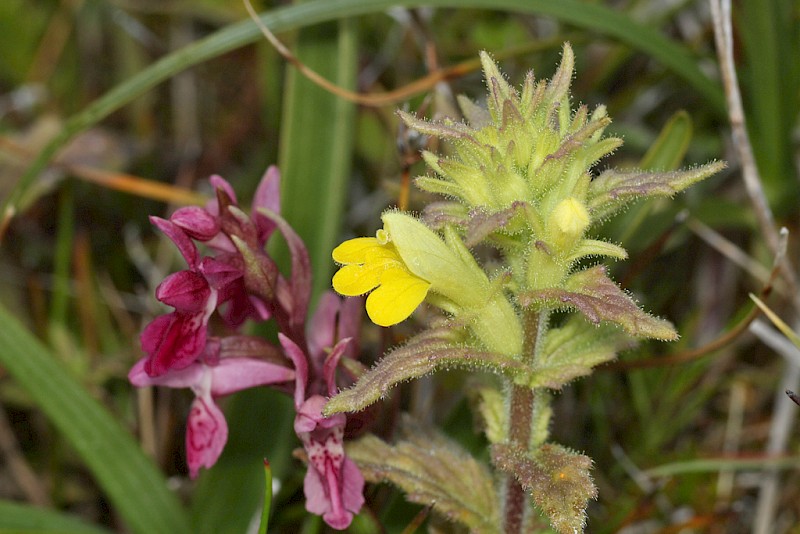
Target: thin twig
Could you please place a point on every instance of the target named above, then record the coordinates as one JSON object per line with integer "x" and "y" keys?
{"x": 728, "y": 249}
{"x": 376, "y": 100}
{"x": 781, "y": 427}
{"x": 117, "y": 181}
{"x": 395, "y": 96}
{"x": 723, "y": 36}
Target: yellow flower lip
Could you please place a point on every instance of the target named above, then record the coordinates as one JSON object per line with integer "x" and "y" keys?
{"x": 372, "y": 265}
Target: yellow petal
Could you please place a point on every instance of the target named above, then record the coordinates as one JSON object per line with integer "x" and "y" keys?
{"x": 399, "y": 294}
{"x": 353, "y": 280}
{"x": 354, "y": 250}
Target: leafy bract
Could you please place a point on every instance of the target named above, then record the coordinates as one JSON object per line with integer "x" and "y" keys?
{"x": 439, "y": 347}
{"x": 557, "y": 479}
{"x": 613, "y": 189}
{"x": 571, "y": 351}
{"x": 430, "y": 468}
{"x": 599, "y": 299}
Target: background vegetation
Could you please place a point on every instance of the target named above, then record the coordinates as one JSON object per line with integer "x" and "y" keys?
{"x": 113, "y": 110}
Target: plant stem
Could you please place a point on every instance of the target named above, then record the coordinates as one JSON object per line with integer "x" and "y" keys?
{"x": 520, "y": 416}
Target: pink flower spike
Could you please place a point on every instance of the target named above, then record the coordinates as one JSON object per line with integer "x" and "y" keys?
{"x": 206, "y": 434}
{"x": 196, "y": 222}
{"x": 186, "y": 291}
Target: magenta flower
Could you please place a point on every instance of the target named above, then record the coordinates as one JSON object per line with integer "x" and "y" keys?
{"x": 175, "y": 340}
{"x": 333, "y": 485}
{"x": 240, "y": 281}
{"x": 206, "y": 429}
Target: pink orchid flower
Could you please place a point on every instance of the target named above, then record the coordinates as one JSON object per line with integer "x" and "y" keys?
{"x": 333, "y": 486}
{"x": 175, "y": 340}
{"x": 206, "y": 428}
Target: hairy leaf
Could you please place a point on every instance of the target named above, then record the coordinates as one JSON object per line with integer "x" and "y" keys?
{"x": 557, "y": 479}
{"x": 439, "y": 347}
{"x": 613, "y": 188}
{"x": 597, "y": 297}
{"x": 432, "y": 470}
{"x": 481, "y": 225}
{"x": 571, "y": 351}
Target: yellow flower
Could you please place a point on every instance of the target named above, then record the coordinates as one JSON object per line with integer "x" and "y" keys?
{"x": 372, "y": 264}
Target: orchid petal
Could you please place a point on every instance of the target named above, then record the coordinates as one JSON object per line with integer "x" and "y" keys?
{"x": 153, "y": 334}
{"x": 300, "y": 281}
{"x": 218, "y": 182}
{"x": 219, "y": 273}
{"x": 186, "y": 291}
{"x": 182, "y": 342}
{"x": 196, "y": 222}
{"x": 322, "y": 328}
{"x": 333, "y": 485}
{"x": 180, "y": 378}
{"x": 267, "y": 196}
{"x": 299, "y": 359}
{"x": 185, "y": 245}
{"x": 350, "y": 315}
{"x": 206, "y": 434}
{"x": 331, "y": 361}
{"x": 236, "y": 374}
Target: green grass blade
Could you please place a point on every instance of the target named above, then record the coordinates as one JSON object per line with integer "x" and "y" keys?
{"x": 769, "y": 76}
{"x": 316, "y": 144}
{"x": 264, "y": 525}
{"x": 669, "y": 148}
{"x": 710, "y": 465}
{"x": 590, "y": 16}
{"x": 136, "y": 489}
{"x": 23, "y": 518}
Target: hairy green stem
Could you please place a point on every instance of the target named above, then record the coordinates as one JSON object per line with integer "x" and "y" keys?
{"x": 520, "y": 416}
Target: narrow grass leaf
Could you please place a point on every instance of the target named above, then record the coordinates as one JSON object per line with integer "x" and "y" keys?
{"x": 23, "y": 518}
{"x": 669, "y": 148}
{"x": 316, "y": 143}
{"x": 262, "y": 528}
{"x": 137, "y": 491}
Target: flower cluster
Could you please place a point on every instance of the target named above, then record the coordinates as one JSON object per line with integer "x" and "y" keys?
{"x": 240, "y": 281}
